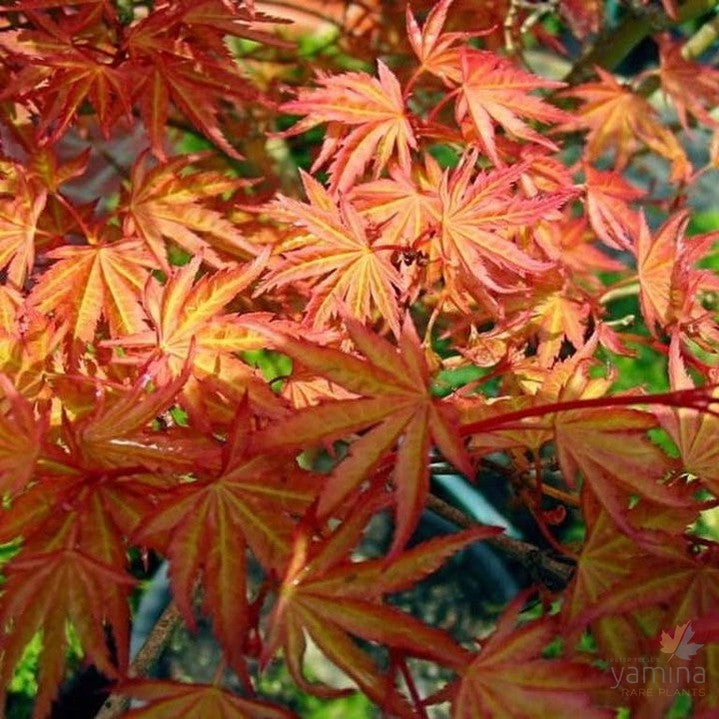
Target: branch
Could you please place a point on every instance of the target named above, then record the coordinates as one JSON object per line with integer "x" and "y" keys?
{"x": 116, "y": 704}
{"x": 542, "y": 567}
{"x": 614, "y": 44}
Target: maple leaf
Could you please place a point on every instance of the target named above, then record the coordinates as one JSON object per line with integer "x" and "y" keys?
{"x": 656, "y": 259}
{"x": 395, "y": 403}
{"x": 19, "y": 218}
{"x": 478, "y": 215}
{"x": 675, "y": 585}
{"x": 620, "y": 120}
{"x": 20, "y": 434}
{"x": 403, "y": 207}
{"x": 679, "y": 642}
{"x": 102, "y": 470}
{"x": 493, "y": 91}
{"x": 114, "y": 432}
{"x": 178, "y": 55}
{"x": 571, "y": 243}
{"x": 167, "y": 700}
{"x": 330, "y": 597}
{"x": 436, "y": 51}
{"x": 169, "y": 202}
{"x": 693, "y": 432}
{"x": 609, "y": 558}
{"x": 368, "y": 124}
{"x": 670, "y": 285}
{"x": 509, "y": 678}
{"x": 612, "y": 452}
{"x": 42, "y": 592}
{"x": 338, "y": 256}
{"x": 59, "y": 76}
{"x": 189, "y": 329}
{"x": 95, "y": 281}
{"x": 693, "y": 87}
{"x": 557, "y": 317}
{"x": 610, "y": 449}
{"x": 608, "y": 196}
{"x": 205, "y": 526}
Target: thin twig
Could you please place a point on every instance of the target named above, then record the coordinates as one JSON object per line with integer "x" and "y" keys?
{"x": 542, "y": 567}
{"x": 117, "y": 704}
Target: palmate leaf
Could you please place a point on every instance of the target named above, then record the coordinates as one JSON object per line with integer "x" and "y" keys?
{"x": 20, "y": 436}
{"x": 177, "y": 55}
{"x": 395, "y": 405}
{"x": 656, "y": 258}
{"x": 171, "y": 700}
{"x": 190, "y": 330}
{"x": 206, "y": 526}
{"x": 368, "y": 126}
{"x": 479, "y": 214}
{"x": 91, "y": 282}
{"x": 332, "y": 598}
{"x": 42, "y": 592}
{"x": 59, "y": 76}
{"x": 556, "y": 317}
{"x": 437, "y": 51}
{"x": 403, "y": 207}
{"x": 694, "y": 433}
{"x": 494, "y": 91}
{"x": 680, "y": 585}
{"x": 618, "y": 119}
{"x": 608, "y": 196}
{"x": 609, "y": 558}
{"x": 172, "y": 201}
{"x": 670, "y": 284}
{"x": 692, "y": 87}
{"x": 19, "y": 217}
{"x": 609, "y": 448}
{"x": 337, "y": 251}
{"x": 510, "y": 679}
{"x": 95, "y": 475}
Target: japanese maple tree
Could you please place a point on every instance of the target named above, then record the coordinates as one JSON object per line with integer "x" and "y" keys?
{"x": 271, "y": 272}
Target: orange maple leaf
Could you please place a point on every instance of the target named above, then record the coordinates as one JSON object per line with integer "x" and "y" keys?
{"x": 620, "y": 120}
{"x": 172, "y": 201}
{"x": 42, "y": 592}
{"x": 479, "y": 214}
{"x": 509, "y": 678}
{"x": 104, "y": 279}
{"x": 368, "y": 123}
{"x": 493, "y": 91}
{"x": 206, "y": 526}
{"x": 692, "y": 87}
{"x": 190, "y": 329}
{"x": 679, "y": 642}
{"x": 336, "y": 254}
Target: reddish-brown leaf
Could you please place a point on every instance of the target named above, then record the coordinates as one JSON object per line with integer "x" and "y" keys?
{"x": 395, "y": 403}
{"x": 330, "y": 598}
{"x": 510, "y": 679}
{"x": 171, "y": 700}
